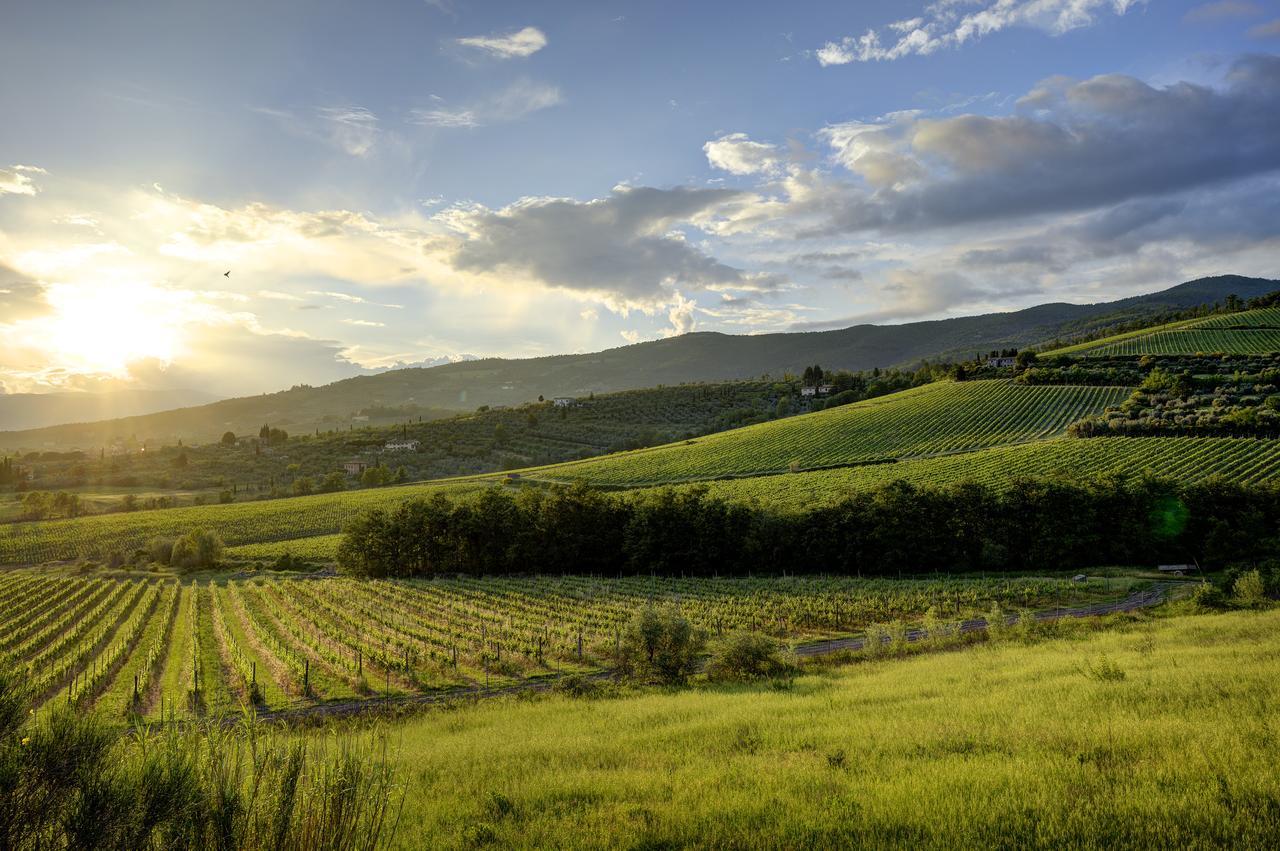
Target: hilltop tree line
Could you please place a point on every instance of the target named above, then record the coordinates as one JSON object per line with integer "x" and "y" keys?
{"x": 1033, "y": 524}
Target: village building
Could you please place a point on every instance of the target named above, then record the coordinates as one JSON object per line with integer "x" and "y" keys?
{"x": 404, "y": 445}
{"x": 564, "y": 401}
{"x": 355, "y": 466}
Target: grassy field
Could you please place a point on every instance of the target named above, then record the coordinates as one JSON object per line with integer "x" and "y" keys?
{"x": 939, "y": 418}
{"x": 237, "y": 523}
{"x": 1160, "y": 734}
{"x": 209, "y": 644}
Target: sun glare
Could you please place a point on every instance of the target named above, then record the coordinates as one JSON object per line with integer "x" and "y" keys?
{"x": 102, "y": 329}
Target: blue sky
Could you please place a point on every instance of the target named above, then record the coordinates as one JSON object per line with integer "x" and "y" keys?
{"x": 403, "y": 182}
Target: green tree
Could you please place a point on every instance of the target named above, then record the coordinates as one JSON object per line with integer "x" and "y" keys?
{"x": 197, "y": 549}
{"x": 659, "y": 645}
{"x": 333, "y": 483}
{"x": 228, "y": 438}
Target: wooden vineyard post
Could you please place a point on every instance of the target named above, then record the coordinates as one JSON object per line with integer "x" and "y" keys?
{"x": 253, "y": 673}
{"x": 135, "y": 689}
{"x": 306, "y": 676}
{"x": 359, "y": 662}
{"x": 579, "y": 645}
{"x": 455, "y": 657}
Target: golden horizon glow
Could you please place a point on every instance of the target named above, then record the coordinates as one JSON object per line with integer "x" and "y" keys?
{"x": 104, "y": 328}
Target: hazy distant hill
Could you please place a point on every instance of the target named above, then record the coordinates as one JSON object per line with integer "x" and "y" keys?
{"x": 699, "y": 356}
{"x": 37, "y": 410}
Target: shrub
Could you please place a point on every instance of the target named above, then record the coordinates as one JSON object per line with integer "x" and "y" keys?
{"x": 1208, "y": 596}
{"x": 658, "y": 646}
{"x": 197, "y": 549}
{"x": 1249, "y": 589}
{"x": 160, "y": 550}
{"x": 747, "y": 656}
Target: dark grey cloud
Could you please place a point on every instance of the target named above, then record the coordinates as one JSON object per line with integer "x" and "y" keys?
{"x": 621, "y": 245}
{"x": 1072, "y": 145}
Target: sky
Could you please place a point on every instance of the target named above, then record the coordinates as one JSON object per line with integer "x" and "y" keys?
{"x": 419, "y": 181}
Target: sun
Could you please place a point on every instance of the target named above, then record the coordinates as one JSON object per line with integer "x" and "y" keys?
{"x": 104, "y": 328}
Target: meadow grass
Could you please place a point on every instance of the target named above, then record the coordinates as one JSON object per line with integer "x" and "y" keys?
{"x": 1153, "y": 733}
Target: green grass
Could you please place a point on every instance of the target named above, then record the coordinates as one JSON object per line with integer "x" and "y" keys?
{"x": 237, "y": 523}
{"x": 939, "y": 418}
{"x": 995, "y": 746}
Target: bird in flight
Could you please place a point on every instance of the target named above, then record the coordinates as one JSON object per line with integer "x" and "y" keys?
{"x": 226, "y": 274}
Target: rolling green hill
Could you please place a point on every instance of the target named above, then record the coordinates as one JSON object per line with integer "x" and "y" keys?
{"x": 936, "y": 419}
{"x": 1249, "y": 332}
{"x": 440, "y": 390}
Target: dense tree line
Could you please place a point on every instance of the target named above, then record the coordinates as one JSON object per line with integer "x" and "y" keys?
{"x": 1033, "y": 524}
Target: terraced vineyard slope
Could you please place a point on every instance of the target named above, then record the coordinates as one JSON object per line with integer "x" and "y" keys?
{"x": 1249, "y": 332}
{"x": 936, "y": 419}
{"x": 1184, "y": 459}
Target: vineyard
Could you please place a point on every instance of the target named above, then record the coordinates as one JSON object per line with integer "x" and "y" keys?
{"x": 936, "y": 419}
{"x": 154, "y": 648}
{"x": 1183, "y": 459}
{"x": 1249, "y": 332}
{"x": 1190, "y": 341}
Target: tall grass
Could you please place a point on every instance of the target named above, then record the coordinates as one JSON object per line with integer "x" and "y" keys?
{"x": 70, "y": 781}
{"x": 1156, "y": 733}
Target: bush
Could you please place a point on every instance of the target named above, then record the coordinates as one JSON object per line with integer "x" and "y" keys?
{"x": 1249, "y": 589}
{"x": 747, "y": 656}
{"x": 197, "y": 549}
{"x": 659, "y": 646}
{"x": 1208, "y": 596}
{"x": 160, "y": 550}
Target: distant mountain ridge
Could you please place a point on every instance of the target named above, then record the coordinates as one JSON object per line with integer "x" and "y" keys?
{"x": 38, "y": 410}
{"x": 699, "y": 356}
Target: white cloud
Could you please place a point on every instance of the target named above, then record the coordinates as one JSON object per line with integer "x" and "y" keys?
{"x": 738, "y": 154}
{"x": 364, "y": 323}
{"x": 353, "y": 129}
{"x": 944, "y": 24}
{"x": 445, "y": 118}
{"x": 681, "y": 316}
{"x": 512, "y": 45}
{"x": 16, "y": 180}
{"x": 632, "y": 337}
{"x": 521, "y": 98}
